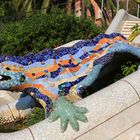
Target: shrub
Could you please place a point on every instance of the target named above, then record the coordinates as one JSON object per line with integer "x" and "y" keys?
{"x": 135, "y": 32}
{"x": 126, "y": 69}
{"x": 45, "y": 31}
{"x": 36, "y": 116}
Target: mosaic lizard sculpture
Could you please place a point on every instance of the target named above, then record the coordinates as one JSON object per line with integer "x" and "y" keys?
{"x": 53, "y": 74}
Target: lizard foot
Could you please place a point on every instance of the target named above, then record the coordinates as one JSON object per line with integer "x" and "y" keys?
{"x": 67, "y": 112}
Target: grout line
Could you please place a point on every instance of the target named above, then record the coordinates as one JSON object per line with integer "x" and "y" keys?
{"x": 11, "y": 112}
{"x": 31, "y": 133}
{"x": 132, "y": 87}
{"x": 106, "y": 120}
{"x": 126, "y": 130}
{"x": 19, "y": 114}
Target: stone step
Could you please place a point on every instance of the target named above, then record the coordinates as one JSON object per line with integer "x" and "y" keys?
{"x": 129, "y": 26}
{"x": 131, "y": 21}
{"x": 126, "y": 29}
{"x": 126, "y": 33}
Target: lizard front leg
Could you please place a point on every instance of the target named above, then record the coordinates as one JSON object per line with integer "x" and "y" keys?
{"x": 60, "y": 108}
{"x": 68, "y": 112}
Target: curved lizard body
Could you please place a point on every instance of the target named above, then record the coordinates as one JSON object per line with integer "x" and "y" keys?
{"x": 53, "y": 73}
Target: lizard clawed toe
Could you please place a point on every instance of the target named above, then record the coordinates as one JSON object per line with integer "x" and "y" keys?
{"x": 67, "y": 112}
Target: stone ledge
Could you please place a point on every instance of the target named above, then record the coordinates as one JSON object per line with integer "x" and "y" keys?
{"x": 116, "y": 127}
{"x": 102, "y": 106}
{"x": 5, "y": 98}
{"x": 21, "y": 135}
{"x": 105, "y": 107}
{"x": 134, "y": 81}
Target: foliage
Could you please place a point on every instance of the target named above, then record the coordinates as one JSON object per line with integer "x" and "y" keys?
{"x": 16, "y": 7}
{"x": 128, "y": 68}
{"x": 135, "y": 32}
{"x": 138, "y": 1}
{"x": 136, "y": 27}
{"x": 12, "y": 127}
{"x": 45, "y": 31}
{"x": 132, "y": 8}
{"x": 36, "y": 116}
{"x": 110, "y": 5}
{"x": 1, "y": 12}
{"x": 109, "y": 9}
{"x": 24, "y": 8}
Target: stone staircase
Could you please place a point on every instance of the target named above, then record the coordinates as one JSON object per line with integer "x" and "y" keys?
{"x": 128, "y": 24}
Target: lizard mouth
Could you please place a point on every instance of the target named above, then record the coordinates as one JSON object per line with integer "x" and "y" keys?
{"x": 4, "y": 78}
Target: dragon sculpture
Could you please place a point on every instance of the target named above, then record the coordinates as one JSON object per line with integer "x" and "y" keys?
{"x": 56, "y": 77}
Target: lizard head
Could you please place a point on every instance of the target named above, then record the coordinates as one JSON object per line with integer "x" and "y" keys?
{"x": 11, "y": 76}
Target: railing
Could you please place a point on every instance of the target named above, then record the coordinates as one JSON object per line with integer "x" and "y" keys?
{"x": 118, "y": 5}
{"x": 138, "y": 10}
{"x": 128, "y": 4}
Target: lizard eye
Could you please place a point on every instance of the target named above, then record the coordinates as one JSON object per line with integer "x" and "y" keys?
{"x": 7, "y": 68}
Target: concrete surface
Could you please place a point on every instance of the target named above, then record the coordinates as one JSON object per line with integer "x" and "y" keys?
{"x": 5, "y": 98}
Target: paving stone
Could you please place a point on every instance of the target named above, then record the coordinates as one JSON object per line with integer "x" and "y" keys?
{"x": 20, "y": 135}
{"x": 117, "y": 128}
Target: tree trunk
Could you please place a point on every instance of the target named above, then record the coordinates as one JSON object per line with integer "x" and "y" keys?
{"x": 69, "y": 7}
{"x": 78, "y": 12}
{"x": 45, "y": 5}
{"x": 97, "y": 12}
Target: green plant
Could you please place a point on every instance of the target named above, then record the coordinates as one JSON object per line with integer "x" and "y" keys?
{"x": 1, "y": 11}
{"x": 36, "y": 116}
{"x": 16, "y": 7}
{"x": 42, "y": 31}
{"x": 137, "y": 1}
{"x": 135, "y": 32}
{"x": 11, "y": 127}
{"x": 128, "y": 68}
{"x": 136, "y": 27}
{"x": 132, "y": 8}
